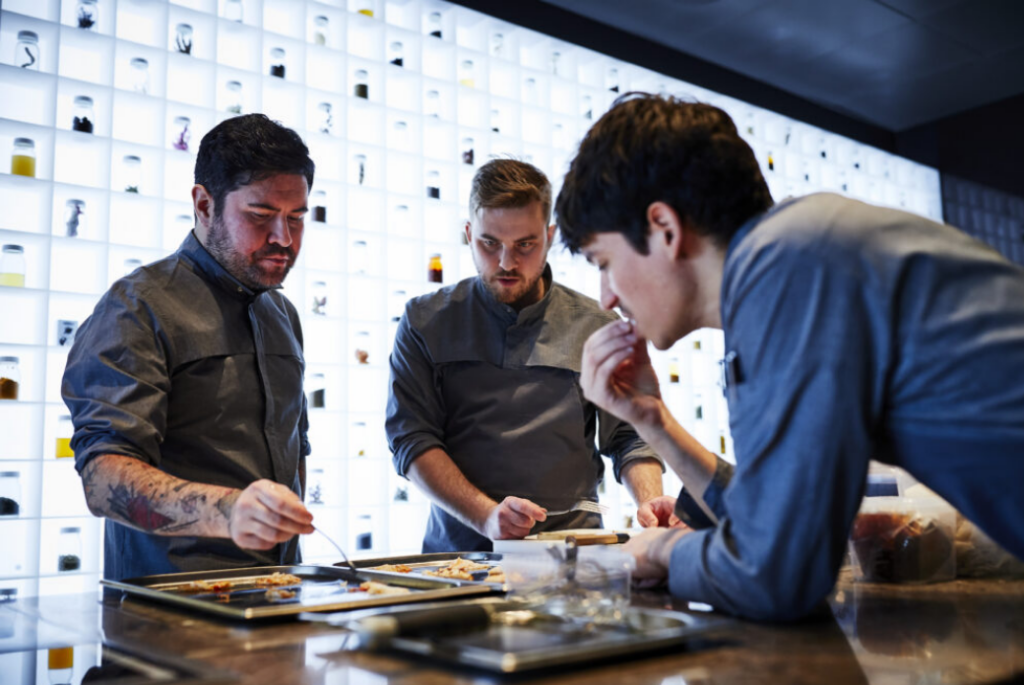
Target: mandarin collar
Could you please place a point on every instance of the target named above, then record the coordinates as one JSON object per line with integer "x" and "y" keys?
{"x": 528, "y": 314}
{"x": 196, "y": 253}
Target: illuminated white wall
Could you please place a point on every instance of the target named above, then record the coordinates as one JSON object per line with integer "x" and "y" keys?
{"x": 512, "y": 91}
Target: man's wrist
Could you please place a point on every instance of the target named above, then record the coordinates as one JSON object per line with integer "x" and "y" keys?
{"x": 662, "y": 555}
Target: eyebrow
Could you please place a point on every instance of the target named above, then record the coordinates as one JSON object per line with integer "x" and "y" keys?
{"x": 488, "y": 236}
{"x": 272, "y": 208}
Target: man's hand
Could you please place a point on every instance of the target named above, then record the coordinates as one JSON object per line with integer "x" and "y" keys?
{"x": 265, "y": 514}
{"x": 659, "y": 512}
{"x": 618, "y": 377}
{"x": 512, "y": 519}
{"x": 652, "y": 550}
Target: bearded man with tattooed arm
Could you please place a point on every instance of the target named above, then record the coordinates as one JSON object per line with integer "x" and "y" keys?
{"x": 185, "y": 384}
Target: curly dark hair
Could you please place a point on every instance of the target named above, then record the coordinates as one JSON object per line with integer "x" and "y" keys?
{"x": 245, "y": 149}
{"x": 650, "y": 148}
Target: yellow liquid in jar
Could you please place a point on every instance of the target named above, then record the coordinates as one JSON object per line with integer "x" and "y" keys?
{"x": 367, "y": 12}
{"x": 13, "y": 280}
{"x": 64, "y": 450}
{"x": 23, "y": 165}
{"x": 468, "y": 82}
{"x": 61, "y": 658}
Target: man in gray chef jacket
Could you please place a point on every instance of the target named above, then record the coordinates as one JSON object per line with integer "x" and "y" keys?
{"x": 485, "y": 412}
{"x": 852, "y": 333}
{"x": 185, "y": 383}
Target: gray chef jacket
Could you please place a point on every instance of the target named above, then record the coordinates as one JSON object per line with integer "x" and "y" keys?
{"x": 186, "y": 369}
{"x": 498, "y": 391}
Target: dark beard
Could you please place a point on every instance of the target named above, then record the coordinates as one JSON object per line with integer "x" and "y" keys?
{"x": 245, "y": 269}
{"x": 529, "y": 296}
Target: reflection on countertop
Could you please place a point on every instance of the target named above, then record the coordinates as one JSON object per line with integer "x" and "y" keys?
{"x": 958, "y": 632}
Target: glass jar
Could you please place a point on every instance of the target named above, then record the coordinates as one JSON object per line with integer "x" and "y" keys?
{"x": 497, "y": 44}
{"x": 315, "y": 487}
{"x": 435, "y": 271}
{"x": 401, "y": 218}
{"x": 496, "y": 120}
{"x": 12, "y": 266}
{"x": 66, "y": 331}
{"x": 181, "y": 132}
{"x": 558, "y": 136}
{"x": 277, "y": 62}
{"x": 612, "y": 80}
{"x": 318, "y": 199}
{"x": 359, "y": 439}
{"x": 556, "y": 62}
{"x": 65, "y": 431}
{"x": 587, "y": 107}
{"x": 366, "y": 8}
{"x": 467, "y": 151}
{"x": 360, "y": 168}
{"x": 74, "y": 217}
{"x": 139, "y": 74}
{"x": 320, "y": 24}
{"x": 401, "y": 139}
{"x": 319, "y": 293}
{"x": 10, "y": 493}
{"x": 60, "y": 663}
{"x": 317, "y": 391}
{"x": 673, "y": 370}
{"x": 131, "y": 265}
{"x": 23, "y": 157}
{"x": 434, "y": 185}
{"x": 234, "y": 102}
{"x": 432, "y": 104}
{"x": 530, "y": 91}
{"x": 87, "y": 14}
{"x": 183, "y": 38}
{"x": 233, "y": 10}
{"x": 132, "y": 173}
{"x": 82, "y": 114}
{"x": 434, "y": 24}
{"x": 396, "y": 51}
{"x": 69, "y": 550}
{"x": 26, "y": 52}
{"x": 467, "y": 73}
{"x": 359, "y": 256}
{"x": 326, "y": 116}
{"x": 362, "y": 347}
{"x": 364, "y": 533}
{"x": 362, "y": 87}
{"x": 10, "y": 378}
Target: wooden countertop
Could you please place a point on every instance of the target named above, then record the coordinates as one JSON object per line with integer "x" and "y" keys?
{"x": 958, "y": 632}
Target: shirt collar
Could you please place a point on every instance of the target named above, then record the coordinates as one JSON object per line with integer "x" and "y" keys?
{"x": 196, "y": 253}
{"x": 529, "y": 314}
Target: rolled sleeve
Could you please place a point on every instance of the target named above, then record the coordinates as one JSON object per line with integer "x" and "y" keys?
{"x": 116, "y": 382}
{"x": 415, "y": 411}
{"x": 618, "y": 441}
{"x": 689, "y": 510}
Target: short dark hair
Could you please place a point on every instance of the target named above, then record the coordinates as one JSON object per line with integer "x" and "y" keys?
{"x": 248, "y": 148}
{"x": 509, "y": 183}
{"x": 651, "y": 148}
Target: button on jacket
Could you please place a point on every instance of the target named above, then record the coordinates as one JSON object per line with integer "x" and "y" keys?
{"x": 185, "y": 368}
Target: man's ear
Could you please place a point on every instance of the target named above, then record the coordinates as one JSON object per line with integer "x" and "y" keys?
{"x": 469, "y": 233}
{"x": 669, "y": 234}
{"x": 202, "y": 203}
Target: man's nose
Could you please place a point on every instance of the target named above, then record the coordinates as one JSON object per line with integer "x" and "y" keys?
{"x": 609, "y": 300}
{"x": 508, "y": 259}
{"x": 280, "y": 234}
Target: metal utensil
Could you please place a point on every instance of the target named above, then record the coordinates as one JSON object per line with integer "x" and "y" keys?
{"x": 583, "y": 505}
{"x": 337, "y": 547}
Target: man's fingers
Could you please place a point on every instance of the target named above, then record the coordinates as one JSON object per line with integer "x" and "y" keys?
{"x": 282, "y": 501}
{"x": 281, "y": 523}
{"x": 526, "y": 507}
{"x": 646, "y": 517}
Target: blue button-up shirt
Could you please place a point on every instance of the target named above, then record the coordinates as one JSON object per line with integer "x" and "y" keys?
{"x": 186, "y": 369}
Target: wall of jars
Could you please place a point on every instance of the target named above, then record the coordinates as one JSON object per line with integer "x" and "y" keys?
{"x": 104, "y": 103}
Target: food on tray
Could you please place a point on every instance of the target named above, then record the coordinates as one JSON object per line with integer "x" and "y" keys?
{"x": 394, "y": 568}
{"x": 496, "y": 575}
{"x": 224, "y": 597}
{"x": 276, "y": 594}
{"x": 208, "y": 586}
{"x": 277, "y": 580}
{"x": 374, "y": 588}
{"x": 461, "y": 569}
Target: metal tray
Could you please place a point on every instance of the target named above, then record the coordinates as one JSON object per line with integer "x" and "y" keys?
{"x": 323, "y": 588}
{"x": 432, "y": 562}
{"x": 541, "y": 644}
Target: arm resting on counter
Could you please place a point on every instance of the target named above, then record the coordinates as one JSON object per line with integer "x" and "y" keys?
{"x": 437, "y": 475}
{"x": 126, "y": 490}
{"x": 642, "y": 478}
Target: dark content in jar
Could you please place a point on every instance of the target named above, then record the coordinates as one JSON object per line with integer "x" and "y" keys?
{"x": 8, "y": 389}
{"x": 9, "y": 507}
{"x": 896, "y": 547}
{"x": 68, "y": 562}
{"x": 81, "y": 124}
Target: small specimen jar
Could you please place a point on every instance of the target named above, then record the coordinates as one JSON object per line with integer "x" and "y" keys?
{"x": 183, "y": 38}
{"x": 26, "y": 52}
{"x": 132, "y": 173}
{"x": 277, "y": 62}
{"x": 10, "y": 378}
{"x": 74, "y": 217}
{"x": 139, "y": 74}
{"x": 82, "y": 114}
{"x": 23, "y": 157}
{"x": 12, "y": 266}
{"x": 435, "y": 270}
{"x": 87, "y": 14}
{"x": 182, "y": 134}
{"x": 362, "y": 87}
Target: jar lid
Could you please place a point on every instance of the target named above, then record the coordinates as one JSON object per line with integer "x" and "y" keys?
{"x": 360, "y": 242}
{"x": 9, "y": 474}
{"x": 397, "y": 45}
{"x": 130, "y": 262}
{"x": 71, "y": 529}
{"x": 318, "y": 375}
{"x": 83, "y": 100}
{"x": 28, "y": 36}
{"x": 436, "y": 255}
{"x": 13, "y": 249}
{"x": 402, "y": 208}
{"x": 361, "y": 73}
{"x": 277, "y": 52}
{"x": 183, "y": 28}
{"x": 178, "y": 121}
{"x": 184, "y": 217}
{"x": 467, "y": 141}
{"x": 325, "y": 106}
{"x": 361, "y": 158}
{"x": 9, "y": 360}
{"x": 320, "y": 20}
{"x": 74, "y": 203}
{"x": 139, "y": 62}
{"x": 316, "y": 283}
{"x": 436, "y": 16}
{"x": 433, "y": 94}
{"x": 499, "y": 35}
{"x": 234, "y": 85}
{"x": 401, "y": 126}
{"x": 86, "y": 2}
{"x": 467, "y": 63}
{"x": 432, "y": 174}
{"x": 131, "y": 159}
{"x": 24, "y": 142}
{"x": 318, "y": 193}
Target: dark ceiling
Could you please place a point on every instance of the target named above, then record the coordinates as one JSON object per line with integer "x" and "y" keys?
{"x": 892, "y": 63}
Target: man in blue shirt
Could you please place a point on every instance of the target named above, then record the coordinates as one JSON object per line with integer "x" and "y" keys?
{"x": 185, "y": 383}
{"x": 852, "y": 332}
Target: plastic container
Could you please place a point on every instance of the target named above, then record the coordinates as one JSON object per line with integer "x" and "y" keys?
{"x": 26, "y": 52}
{"x": 82, "y": 115}
{"x": 904, "y": 540}
{"x": 12, "y": 266}
{"x": 23, "y": 157}
{"x": 10, "y": 378}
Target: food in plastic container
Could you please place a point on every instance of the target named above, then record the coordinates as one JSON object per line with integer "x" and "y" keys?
{"x": 902, "y": 540}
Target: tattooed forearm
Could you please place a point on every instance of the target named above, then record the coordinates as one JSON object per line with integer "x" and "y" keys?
{"x": 138, "y": 495}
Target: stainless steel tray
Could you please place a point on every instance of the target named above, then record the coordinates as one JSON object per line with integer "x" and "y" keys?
{"x": 432, "y": 562}
{"x": 541, "y": 644}
{"x": 323, "y": 588}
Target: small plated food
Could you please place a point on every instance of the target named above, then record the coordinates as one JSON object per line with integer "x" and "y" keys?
{"x": 374, "y": 588}
{"x": 277, "y": 580}
{"x": 461, "y": 569}
{"x": 276, "y": 594}
{"x": 394, "y": 568}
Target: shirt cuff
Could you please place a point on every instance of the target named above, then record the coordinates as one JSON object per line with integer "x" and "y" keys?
{"x": 689, "y": 511}
{"x": 687, "y": 567}
{"x": 643, "y": 452}
{"x": 410, "y": 449}
{"x": 714, "y": 496}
